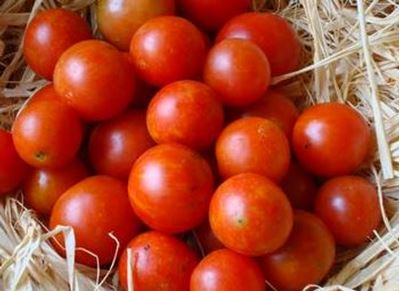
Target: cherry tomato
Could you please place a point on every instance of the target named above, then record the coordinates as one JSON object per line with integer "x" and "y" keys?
{"x": 47, "y": 134}
{"x": 42, "y": 187}
{"x": 238, "y": 71}
{"x": 185, "y": 112}
{"x": 46, "y": 93}
{"x": 167, "y": 49}
{"x": 349, "y": 206}
{"x": 170, "y": 187}
{"x": 116, "y": 144}
{"x": 48, "y": 35}
{"x": 95, "y": 79}
{"x": 118, "y": 20}
{"x": 272, "y": 33}
{"x": 12, "y": 168}
{"x": 207, "y": 238}
{"x": 253, "y": 144}
{"x": 225, "y": 270}
{"x": 94, "y": 208}
{"x": 250, "y": 214}
{"x": 305, "y": 258}
{"x": 331, "y": 139}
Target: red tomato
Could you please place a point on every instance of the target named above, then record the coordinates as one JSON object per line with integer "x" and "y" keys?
{"x": 42, "y": 187}
{"x": 185, "y": 112}
{"x": 170, "y": 187}
{"x": 116, "y": 144}
{"x": 12, "y": 168}
{"x": 95, "y": 79}
{"x": 250, "y": 215}
{"x": 225, "y": 270}
{"x": 238, "y": 71}
{"x": 167, "y": 49}
{"x": 272, "y": 33}
{"x": 158, "y": 262}
{"x": 48, "y": 35}
{"x": 47, "y": 134}
{"x": 349, "y": 206}
{"x": 331, "y": 139}
{"x": 253, "y": 144}
{"x": 46, "y": 93}
{"x": 207, "y": 238}
{"x": 94, "y": 208}
{"x": 305, "y": 258}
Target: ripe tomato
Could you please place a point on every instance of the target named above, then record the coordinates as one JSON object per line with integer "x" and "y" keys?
{"x": 170, "y": 187}
{"x": 48, "y": 35}
{"x": 207, "y": 238}
{"x": 253, "y": 144}
{"x": 95, "y": 207}
{"x": 116, "y": 144}
{"x": 225, "y": 270}
{"x": 350, "y": 208}
{"x": 331, "y": 139}
{"x": 118, "y": 20}
{"x": 272, "y": 33}
{"x": 42, "y": 187}
{"x": 95, "y": 79}
{"x": 46, "y": 93}
{"x": 167, "y": 49}
{"x": 47, "y": 134}
{"x": 158, "y": 262}
{"x": 185, "y": 112}
{"x": 305, "y": 258}
{"x": 250, "y": 214}
{"x": 12, "y": 168}
{"x": 238, "y": 71}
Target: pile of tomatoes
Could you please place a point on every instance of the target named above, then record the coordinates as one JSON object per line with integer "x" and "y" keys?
{"x": 167, "y": 136}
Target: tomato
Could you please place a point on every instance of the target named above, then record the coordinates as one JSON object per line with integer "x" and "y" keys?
{"x": 250, "y": 214}
{"x": 47, "y": 134}
{"x": 42, "y": 187}
{"x": 116, "y": 144}
{"x": 46, "y": 93}
{"x": 253, "y": 144}
{"x": 167, "y": 49}
{"x": 95, "y": 79}
{"x": 94, "y": 208}
{"x": 118, "y": 20}
{"x": 305, "y": 258}
{"x": 300, "y": 187}
{"x": 331, "y": 139}
{"x": 185, "y": 112}
{"x": 349, "y": 206}
{"x": 170, "y": 187}
{"x": 206, "y": 238}
{"x": 238, "y": 71}
{"x": 272, "y": 33}
{"x": 12, "y": 168}
{"x": 225, "y": 270}
{"x": 48, "y": 35}
{"x": 212, "y": 14}
{"x": 158, "y": 262}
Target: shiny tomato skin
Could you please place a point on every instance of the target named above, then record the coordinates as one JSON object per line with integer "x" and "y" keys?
{"x": 238, "y": 71}
{"x": 331, "y": 139}
{"x": 46, "y": 93}
{"x": 207, "y": 239}
{"x": 225, "y": 270}
{"x": 272, "y": 33}
{"x": 253, "y": 144}
{"x": 159, "y": 262}
{"x": 186, "y": 112}
{"x": 170, "y": 187}
{"x": 305, "y": 258}
{"x": 167, "y": 49}
{"x": 116, "y": 144}
{"x": 47, "y": 134}
{"x": 349, "y": 206}
{"x": 48, "y": 35}
{"x": 250, "y": 214}
{"x": 95, "y": 79}
{"x": 12, "y": 168}
{"x": 95, "y": 207}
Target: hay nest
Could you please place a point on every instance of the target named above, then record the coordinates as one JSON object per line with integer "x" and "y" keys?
{"x": 350, "y": 55}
